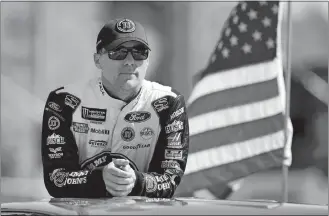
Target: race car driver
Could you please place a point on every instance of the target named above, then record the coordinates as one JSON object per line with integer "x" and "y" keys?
{"x": 117, "y": 134}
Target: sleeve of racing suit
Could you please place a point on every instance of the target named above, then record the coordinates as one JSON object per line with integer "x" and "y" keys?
{"x": 63, "y": 176}
{"x": 170, "y": 155}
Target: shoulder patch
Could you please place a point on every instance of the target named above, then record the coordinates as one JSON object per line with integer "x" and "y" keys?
{"x": 59, "y": 100}
{"x": 161, "y": 104}
{"x": 71, "y": 101}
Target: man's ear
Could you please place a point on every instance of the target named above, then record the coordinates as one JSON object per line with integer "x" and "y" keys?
{"x": 96, "y": 60}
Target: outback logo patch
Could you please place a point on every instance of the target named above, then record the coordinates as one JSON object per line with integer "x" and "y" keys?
{"x": 138, "y": 116}
{"x": 80, "y": 127}
{"x": 93, "y": 114}
{"x": 161, "y": 104}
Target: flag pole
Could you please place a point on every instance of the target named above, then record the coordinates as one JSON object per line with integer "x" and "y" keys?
{"x": 285, "y": 167}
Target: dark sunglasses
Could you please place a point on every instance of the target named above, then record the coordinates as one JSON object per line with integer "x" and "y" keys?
{"x": 121, "y": 53}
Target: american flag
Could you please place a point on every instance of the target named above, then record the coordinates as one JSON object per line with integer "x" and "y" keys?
{"x": 236, "y": 110}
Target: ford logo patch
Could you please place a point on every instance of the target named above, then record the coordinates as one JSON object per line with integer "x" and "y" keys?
{"x": 138, "y": 116}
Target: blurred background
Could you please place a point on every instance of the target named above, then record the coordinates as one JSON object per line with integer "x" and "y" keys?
{"x": 45, "y": 45}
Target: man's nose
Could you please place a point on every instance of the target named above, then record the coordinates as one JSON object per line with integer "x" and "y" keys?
{"x": 129, "y": 59}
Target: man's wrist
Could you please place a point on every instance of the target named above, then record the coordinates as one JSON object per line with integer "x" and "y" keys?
{"x": 138, "y": 185}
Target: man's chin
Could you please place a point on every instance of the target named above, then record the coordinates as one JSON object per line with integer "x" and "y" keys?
{"x": 130, "y": 84}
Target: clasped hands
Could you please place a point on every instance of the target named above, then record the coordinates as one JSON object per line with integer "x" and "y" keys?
{"x": 119, "y": 177}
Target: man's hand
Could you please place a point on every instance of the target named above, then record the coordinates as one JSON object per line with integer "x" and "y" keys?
{"x": 119, "y": 177}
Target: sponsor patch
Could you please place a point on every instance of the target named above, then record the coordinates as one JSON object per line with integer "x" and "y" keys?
{"x": 174, "y": 140}
{"x": 161, "y": 178}
{"x": 55, "y": 150}
{"x": 137, "y": 117}
{"x": 80, "y": 127}
{"x": 93, "y": 114}
{"x": 163, "y": 186}
{"x": 151, "y": 183}
{"x": 127, "y": 134}
{"x": 125, "y": 26}
{"x": 175, "y": 144}
{"x": 98, "y": 161}
{"x": 177, "y": 171}
{"x": 55, "y": 106}
{"x": 75, "y": 181}
{"x": 78, "y": 174}
{"x": 53, "y": 123}
{"x": 169, "y": 164}
{"x": 173, "y": 154}
{"x": 138, "y": 146}
{"x": 100, "y": 131}
{"x": 147, "y": 133}
{"x": 101, "y": 88}
{"x": 174, "y": 127}
{"x": 177, "y": 113}
{"x": 58, "y": 177}
{"x": 55, "y": 113}
{"x": 98, "y": 143}
{"x": 55, "y": 139}
{"x": 55, "y": 155}
{"x": 161, "y": 104}
{"x": 71, "y": 101}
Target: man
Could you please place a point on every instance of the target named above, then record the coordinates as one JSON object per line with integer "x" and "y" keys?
{"x": 118, "y": 134}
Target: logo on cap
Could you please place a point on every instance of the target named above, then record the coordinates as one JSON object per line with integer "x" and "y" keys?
{"x": 126, "y": 26}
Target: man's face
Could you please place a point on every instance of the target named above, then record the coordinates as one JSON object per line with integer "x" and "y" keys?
{"x": 127, "y": 73}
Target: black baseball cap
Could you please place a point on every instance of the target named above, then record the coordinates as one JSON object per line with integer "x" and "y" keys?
{"x": 118, "y": 31}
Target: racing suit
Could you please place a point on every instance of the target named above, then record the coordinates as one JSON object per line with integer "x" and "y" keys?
{"x": 84, "y": 128}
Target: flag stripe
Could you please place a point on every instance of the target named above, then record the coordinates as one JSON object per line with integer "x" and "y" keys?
{"x": 236, "y": 133}
{"x": 235, "y": 78}
{"x": 234, "y": 97}
{"x": 235, "y": 115}
{"x": 229, "y": 172}
{"x": 229, "y": 153}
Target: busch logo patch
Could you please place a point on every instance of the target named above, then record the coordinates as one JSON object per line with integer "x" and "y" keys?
{"x": 55, "y": 139}
{"x": 80, "y": 127}
{"x": 173, "y": 154}
{"x": 170, "y": 164}
{"x": 161, "y": 104}
{"x": 53, "y": 123}
{"x": 127, "y": 134}
{"x": 174, "y": 127}
{"x": 177, "y": 113}
{"x": 147, "y": 133}
{"x": 98, "y": 143}
{"x": 93, "y": 114}
{"x": 138, "y": 116}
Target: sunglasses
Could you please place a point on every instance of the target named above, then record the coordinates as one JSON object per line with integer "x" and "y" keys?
{"x": 136, "y": 52}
